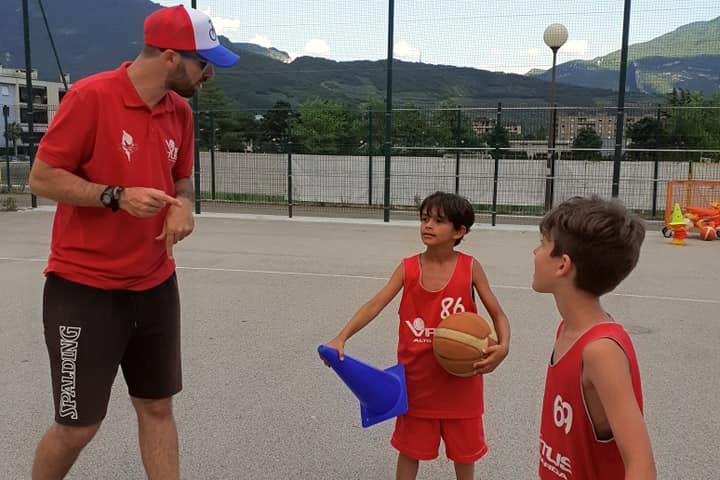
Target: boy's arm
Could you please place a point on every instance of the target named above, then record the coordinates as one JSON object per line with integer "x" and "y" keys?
{"x": 496, "y": 353}
{"x": 606, "y": 367}
{"x": 369, "y": 311}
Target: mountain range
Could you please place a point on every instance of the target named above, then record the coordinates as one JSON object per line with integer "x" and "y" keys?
{"x": 688, "y": 58}
{"x": 110, "y": 31}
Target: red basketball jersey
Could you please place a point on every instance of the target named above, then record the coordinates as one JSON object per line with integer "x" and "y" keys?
{"x": 569, "y": 448}
{"x": 432, "y": 392}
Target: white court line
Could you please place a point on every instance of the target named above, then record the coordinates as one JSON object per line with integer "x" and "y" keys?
{"x": 367, "y": 277}
{"x": 274, "y": 272}
{"x": 508, "y": 227}
{"x": 18, "y": 259}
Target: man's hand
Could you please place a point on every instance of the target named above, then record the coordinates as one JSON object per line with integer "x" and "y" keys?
{"x": 145, "y": 202}
{"x": 179, "y": 223}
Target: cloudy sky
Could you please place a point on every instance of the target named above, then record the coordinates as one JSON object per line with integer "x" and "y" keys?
{"x": 497, "y": 35}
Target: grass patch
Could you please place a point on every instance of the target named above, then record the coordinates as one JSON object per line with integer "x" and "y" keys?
{"x": 510, "y": 209}
{"x": 243, "y": 197}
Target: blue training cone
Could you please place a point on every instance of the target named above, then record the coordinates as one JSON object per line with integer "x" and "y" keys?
{"x": 382, "y": 393}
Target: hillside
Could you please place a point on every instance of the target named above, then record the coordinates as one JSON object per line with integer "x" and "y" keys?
{"x": 106, "y": 33}
{"x": 271, "y": 52}
{"x": 110, "y": 31}
{"x": 688, "y": 57}
{"x": 260, "y": 81}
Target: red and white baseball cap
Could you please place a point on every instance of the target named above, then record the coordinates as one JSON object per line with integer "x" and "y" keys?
{"x": 188, "y": 30}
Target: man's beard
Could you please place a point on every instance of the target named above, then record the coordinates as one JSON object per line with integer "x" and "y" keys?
{"x": 180, "y": 84}
{"x": 182, "y": 89}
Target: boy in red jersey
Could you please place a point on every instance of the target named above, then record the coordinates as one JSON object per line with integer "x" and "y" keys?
{"x": 117, "y": 158}
{"x": 436, "y": 283}
{"x": 592, "y": 425}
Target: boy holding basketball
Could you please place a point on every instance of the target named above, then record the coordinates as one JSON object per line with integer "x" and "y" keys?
{"x": 437, "y": 283}
{"x": 592, "y": 425}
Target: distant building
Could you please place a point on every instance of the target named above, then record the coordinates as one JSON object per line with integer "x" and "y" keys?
{"x": 45, "y": 96}
{"x": 538, "y": 148}
{"x": 483, "y": 125}
{"x": 569, "y": 124}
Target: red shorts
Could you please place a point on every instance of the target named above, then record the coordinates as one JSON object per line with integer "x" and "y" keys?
{"x": 419, "y": 438}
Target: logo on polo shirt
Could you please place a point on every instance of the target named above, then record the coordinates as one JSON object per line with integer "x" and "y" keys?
{"x": 128, "y": 145}
{"x": 172, "y": 150}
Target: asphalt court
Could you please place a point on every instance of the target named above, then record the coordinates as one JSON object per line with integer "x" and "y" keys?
{"x": 259, "y": 294}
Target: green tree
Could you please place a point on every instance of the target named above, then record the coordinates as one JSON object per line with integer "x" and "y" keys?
{"x": 443, "y": 131}
{"x": 328, "y": 127}
{"x": 211, "y": 102}
{"x": 376, "y": 108}
{"x": 497, "y": 139}
{"x": 13, "y": 134}
{"x": 692, "y": 121}
{"x": 587, "y": 144}
{"x": 274, "y": 127}
{"x": 646, "y": 134}
{"x": 413, "y": 128}
{"x": 410, "y": 130}
{"x": 239, "y": 131}
{"x": 233, "y": 130}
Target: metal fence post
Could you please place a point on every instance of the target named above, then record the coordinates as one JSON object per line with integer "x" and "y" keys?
{"x": 196, "y": 143}
{"x": 6, "y": 112}
{"x": 196, "y": 130}
{"x": 289, "y": 166}
{"x": 370, "y": 155}
{"x": 620, "y": 122}
{"x": 457, "y": 151}
{"x": 212, "y": 155}
{"x": 657, "y": 162}
{"x": 496, "y": 156}
{"x": 388, "y": 112}
{"x": 31, "y": 97}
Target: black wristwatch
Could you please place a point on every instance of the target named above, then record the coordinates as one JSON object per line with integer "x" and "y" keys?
{"x": 110, "y": 197}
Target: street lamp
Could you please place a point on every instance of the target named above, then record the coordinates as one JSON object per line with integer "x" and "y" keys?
{"x": 555, "y": 37}
{"x": 6, "y": 113}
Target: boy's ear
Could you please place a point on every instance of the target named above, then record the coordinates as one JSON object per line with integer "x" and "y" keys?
{"x": 566, "y": 264}
{"x": 460, "y": 232}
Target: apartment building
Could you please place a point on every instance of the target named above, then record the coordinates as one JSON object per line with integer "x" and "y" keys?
{"x": 14, "y": 95}
{"x": 483, "y": 125}
{"x": 603, "y": 122}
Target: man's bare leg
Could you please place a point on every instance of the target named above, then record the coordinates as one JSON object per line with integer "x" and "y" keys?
{"x": 158, "y": 438}
{"x": 58, "y": 449}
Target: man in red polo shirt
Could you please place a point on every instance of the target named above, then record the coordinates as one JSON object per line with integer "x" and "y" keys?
{"x": 118, "y": 158}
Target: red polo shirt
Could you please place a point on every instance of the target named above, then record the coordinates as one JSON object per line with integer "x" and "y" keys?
{"x": 105, "y": 133}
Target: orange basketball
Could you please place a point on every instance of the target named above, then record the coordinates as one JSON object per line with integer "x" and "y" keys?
{"x": 708, "y": 233}
{"x": 459, "y": 340}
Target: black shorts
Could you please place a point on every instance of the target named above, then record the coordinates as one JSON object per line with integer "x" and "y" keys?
{"x": 89, "y": 332}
